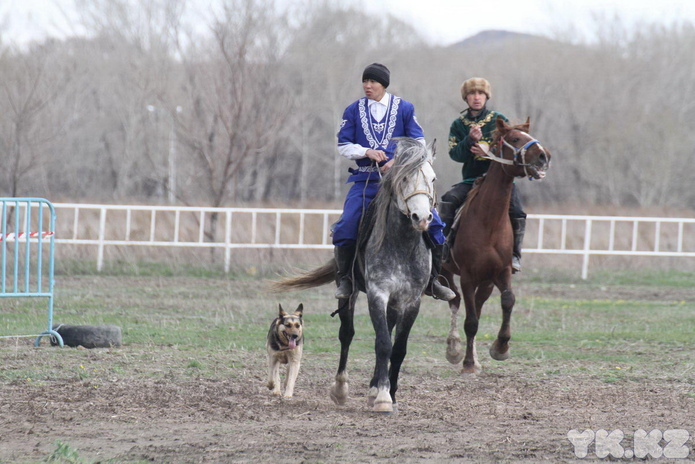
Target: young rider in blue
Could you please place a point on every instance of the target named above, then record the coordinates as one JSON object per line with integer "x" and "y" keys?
{"x": 365, "y": 135}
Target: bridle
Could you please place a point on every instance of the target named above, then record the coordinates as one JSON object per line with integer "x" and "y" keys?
{"x": 518, "y": 154}
{"x": 429, "y": 193}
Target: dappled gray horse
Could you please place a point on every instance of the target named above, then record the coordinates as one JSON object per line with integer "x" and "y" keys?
{"x": 393, "y": 269}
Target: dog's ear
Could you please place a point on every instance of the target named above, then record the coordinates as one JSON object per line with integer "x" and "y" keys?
{"x": 300, "y": 310}
{"x": 281, "y": 311}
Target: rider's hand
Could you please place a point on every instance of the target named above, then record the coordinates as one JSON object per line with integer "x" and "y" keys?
{"x": 475, "y": 134}
{"x": 376, "y": 155}
{"x": 386, "y": 166}
{"x": 477, "y": 151}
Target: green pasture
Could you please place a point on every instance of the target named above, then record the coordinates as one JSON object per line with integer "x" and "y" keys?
{"x": 193, "y": 324}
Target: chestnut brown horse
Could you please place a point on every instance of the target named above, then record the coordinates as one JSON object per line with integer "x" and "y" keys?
{"x": 482, "y": 249}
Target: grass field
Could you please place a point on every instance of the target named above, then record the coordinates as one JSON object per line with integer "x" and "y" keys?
{"x": 618, "y": 330}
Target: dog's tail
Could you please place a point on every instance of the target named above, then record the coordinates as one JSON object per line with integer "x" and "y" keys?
{"x": 310, "y": 279}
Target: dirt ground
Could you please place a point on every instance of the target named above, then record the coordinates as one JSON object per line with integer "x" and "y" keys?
{"x": 492, "y": 417}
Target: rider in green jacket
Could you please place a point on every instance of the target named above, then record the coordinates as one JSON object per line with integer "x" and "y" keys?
{"x": 469, "y": 136}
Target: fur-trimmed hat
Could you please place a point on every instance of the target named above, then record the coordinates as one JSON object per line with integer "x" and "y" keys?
{"x": 473, "y": 84}
{"x": 377, "y": 72}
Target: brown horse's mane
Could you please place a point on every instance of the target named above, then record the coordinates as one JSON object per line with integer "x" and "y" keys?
{"x": 472, "y": 194}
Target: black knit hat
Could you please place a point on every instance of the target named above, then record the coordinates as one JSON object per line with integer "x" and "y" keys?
{"x": 377, "y": 72}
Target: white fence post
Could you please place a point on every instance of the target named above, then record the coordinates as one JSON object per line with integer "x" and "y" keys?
{"x": 228, "y": 241}
{"x": 587, "y": 248}
{"x": 102, "y": 239}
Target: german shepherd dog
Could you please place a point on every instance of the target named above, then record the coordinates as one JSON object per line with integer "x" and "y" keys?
{"x": 284, "y": 344}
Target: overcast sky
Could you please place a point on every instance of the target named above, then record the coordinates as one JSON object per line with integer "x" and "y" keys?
{"x": 440, "y": 21}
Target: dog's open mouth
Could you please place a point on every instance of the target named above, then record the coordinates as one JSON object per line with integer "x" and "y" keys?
{"x": 292, "y": 344}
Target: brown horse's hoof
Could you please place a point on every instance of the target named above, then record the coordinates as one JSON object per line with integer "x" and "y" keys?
{"x": 498, "y": 355}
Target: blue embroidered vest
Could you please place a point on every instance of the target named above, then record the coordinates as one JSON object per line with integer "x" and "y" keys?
{"x": 358, "y": 126}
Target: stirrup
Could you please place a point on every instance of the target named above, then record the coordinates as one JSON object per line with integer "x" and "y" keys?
{"x": 516, "y": 265}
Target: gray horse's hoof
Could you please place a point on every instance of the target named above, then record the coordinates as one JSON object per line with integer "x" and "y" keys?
{"x": 454, "y": 354}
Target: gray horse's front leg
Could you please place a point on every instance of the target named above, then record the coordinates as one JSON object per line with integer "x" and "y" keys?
{"x": 383, "y": 347}
{"x": 346, "y": 310}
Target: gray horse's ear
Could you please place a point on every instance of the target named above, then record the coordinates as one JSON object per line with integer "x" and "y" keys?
{"x": 432, "y": 148}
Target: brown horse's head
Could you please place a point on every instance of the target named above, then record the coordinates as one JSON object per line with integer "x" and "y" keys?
{"x": 517, "y": 148}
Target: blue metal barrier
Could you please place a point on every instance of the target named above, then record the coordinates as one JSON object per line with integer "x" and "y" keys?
{"x": 27, "y": 234}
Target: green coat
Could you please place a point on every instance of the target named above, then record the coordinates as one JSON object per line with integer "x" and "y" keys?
{"x": 460, "y": 144}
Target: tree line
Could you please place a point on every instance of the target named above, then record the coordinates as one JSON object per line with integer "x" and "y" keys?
{"x": 151, "y": 107}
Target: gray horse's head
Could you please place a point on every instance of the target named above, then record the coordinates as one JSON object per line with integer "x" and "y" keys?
{"x": 411, "y": 181}
{"x": 409, "y": 185}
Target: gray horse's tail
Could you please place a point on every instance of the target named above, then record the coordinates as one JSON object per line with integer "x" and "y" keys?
{"x": 310, "y": 279}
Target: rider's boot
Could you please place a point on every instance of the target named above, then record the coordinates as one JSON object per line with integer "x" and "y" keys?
{"x": 447, "y": 212}
{"x": 344, "y": 256}
{"x": 519, "y": 229}
{"x": 434, "y": 288}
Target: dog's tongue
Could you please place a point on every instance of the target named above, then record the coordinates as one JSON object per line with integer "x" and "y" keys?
{"x": 293, "y": 343}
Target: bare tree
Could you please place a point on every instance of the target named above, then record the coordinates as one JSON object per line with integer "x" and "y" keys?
{"x": 236, "y": 103}
{"x": 28, "y": 87}
{"x": 125, "y": 71}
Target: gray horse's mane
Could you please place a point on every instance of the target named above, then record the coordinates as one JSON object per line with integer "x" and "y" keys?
{"x": 409, "y": 156}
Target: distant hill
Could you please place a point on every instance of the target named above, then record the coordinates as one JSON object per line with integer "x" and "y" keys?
{"x": 496, "y": 37}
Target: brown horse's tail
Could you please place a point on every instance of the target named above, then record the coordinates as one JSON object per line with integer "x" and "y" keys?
{"x": 310, "y": 279}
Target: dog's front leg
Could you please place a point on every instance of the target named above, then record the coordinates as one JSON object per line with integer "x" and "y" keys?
{"x": 292, "y": 373}
{"x": 274, "y": 375}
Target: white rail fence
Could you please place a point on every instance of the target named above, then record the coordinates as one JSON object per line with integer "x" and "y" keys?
{"x": 230, "y": 229}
